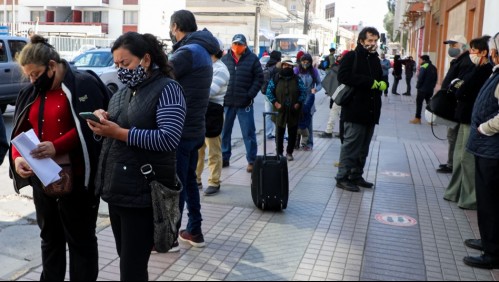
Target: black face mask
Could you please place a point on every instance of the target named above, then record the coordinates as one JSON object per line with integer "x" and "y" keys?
{"x": 173, "y": 38}
{"x": 44, "y": 82}
{"x": 287, "y": 72}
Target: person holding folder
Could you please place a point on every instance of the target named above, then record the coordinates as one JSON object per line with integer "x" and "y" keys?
{"x": 50, "y": 107}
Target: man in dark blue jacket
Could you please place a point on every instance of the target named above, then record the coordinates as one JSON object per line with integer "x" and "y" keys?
{"x": 484, "y": 144}
{"x": 246, "y": 79}
{"x": 427, "y": 80}
{"x": 193, "y": 69}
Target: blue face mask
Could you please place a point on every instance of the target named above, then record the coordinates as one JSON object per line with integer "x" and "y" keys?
{"x": 132, "y": 78}
{"x": 305, "y": 66}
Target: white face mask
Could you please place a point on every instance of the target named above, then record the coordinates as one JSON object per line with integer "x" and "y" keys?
{"x": 476, "y": 59}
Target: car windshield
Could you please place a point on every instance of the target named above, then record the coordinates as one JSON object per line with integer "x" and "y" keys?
{"x": 290, "y": 46}
{"x": 94, "y": 60}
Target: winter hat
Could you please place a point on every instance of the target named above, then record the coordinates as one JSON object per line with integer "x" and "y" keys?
{"x": 276, "y": 55}
{"x": 299, "y": 55}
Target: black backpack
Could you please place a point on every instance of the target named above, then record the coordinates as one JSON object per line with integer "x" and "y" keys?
{"x": 268, "y": 73}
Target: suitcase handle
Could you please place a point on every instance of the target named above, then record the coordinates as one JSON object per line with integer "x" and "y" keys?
{"x": 265, "y": 132}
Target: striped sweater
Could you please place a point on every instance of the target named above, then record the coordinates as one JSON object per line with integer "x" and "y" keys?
{"x": 170, "y": 117}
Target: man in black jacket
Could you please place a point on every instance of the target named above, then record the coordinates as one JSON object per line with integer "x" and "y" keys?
{"x": 459, "y": 67}
{"x": 363, "y": 112}
{"x": 246, "y": 79}
{"x": 427, "y": 80}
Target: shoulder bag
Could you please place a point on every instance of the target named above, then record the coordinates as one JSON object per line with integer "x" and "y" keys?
{"x": 344, "y": 93}
{"x": 65, "y": 185}
{"x": 165, "y": 200}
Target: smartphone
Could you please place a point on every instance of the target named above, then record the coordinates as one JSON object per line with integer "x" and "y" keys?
{"x": 90, "y": 116}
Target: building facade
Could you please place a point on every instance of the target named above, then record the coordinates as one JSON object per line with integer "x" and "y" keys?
{"x": 430, "y": 22}
{"x": 90, "y": 18}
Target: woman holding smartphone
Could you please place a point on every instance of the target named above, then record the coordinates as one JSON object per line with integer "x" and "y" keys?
{"x": 142, "y": 126}
{"x": 49, "y": 106}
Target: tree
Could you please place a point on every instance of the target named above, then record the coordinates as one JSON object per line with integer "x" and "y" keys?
{"x": 388, "y": 21}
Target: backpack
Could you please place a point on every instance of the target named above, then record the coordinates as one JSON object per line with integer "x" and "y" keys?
{"x": 268, "y": 73}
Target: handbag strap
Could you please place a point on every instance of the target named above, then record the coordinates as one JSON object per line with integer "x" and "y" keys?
{"x": 433, "y": 129}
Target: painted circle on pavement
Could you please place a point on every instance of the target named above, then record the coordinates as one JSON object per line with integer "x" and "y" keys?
{"x": 396, "y": 219}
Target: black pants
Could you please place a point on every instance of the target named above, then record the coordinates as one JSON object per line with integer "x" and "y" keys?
{"x": 385, "y": 79}
{"x": 133, "y": 230}
{"x": 395, "y": 85}
{"x": 422, "y": 96}
{"x": 487, "y": 196}
{"x": 408, "y": 82}
{"x": 70, "y": 219}
{"x": 292, "y": 134}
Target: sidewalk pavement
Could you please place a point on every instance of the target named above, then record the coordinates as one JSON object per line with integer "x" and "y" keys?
{"x": 327, "y": 233}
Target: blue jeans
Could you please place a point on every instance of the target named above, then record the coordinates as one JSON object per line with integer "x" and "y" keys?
{"x": 247, "y": 122}
{"x": 4, "y": 145}
{"x": 187, "y": 161}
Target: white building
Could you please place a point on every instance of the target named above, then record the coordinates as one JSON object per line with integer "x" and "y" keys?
{"x": 102, "y": 18}
{"x": 226, "y": 18}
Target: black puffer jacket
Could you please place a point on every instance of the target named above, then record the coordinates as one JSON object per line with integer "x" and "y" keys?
{"x": 365, "y": 108}
{"x": 468, "y": 92}
{"x": 246, "y": 79}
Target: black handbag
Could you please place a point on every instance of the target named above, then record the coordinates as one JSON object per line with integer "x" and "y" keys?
{"x": 443, "y": 104}
{"x": 214, "y": 120}
{"x": 344, "y": 93}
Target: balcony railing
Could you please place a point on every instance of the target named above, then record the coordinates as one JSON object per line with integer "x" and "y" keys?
{"x": 74, "y": 28}
{"x": 65, "y": 3}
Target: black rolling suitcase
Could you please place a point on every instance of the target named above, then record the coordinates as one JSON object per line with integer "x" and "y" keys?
{"x": 270, "y": 180}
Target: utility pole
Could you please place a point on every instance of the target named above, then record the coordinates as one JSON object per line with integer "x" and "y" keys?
{"x": 256, "y": 45}
{"x": 306, "y": 23}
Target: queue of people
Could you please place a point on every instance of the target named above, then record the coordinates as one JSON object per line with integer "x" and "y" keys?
{"x": 171, "y": 110}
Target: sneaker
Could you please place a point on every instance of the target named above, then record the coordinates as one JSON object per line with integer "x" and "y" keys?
{"x": 270, "y": 137}
{"x": 196, "y": 241}
{"x": 407, "y": 94}
{"x": 175, "y": 247}
{"x": 415, "y": 121}
{"x": 337, "y": 164}
{"x": 226, "y": 163}
{"x": 307, "y": 148}
{"x": 396, "y": 94}
{"x": 445, "y": 169}
{"x": 363, "y": 183}
{"x": 249, "y": 168}
{"x": 200, "y": 186}
{"x": 347, "y": 185}
{"x": 212, "y": 190}
{"x": 289, "y": 157}
{"x": 326, "y": 135}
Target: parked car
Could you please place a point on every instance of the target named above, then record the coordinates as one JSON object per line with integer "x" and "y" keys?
{"x": 101, "y": 62}
{"x": 264, "y": 60}
{"x": 12, "y": 79}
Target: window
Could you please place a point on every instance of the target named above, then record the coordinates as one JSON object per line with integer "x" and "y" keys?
{"x": 130, "y": 17}
{"x": 293, "y": 8}
{"x": 3, "y": 53}
{"x": 130, "y": 2}
{"x": 38, "y": 15}
{"x": 16, "y": 46}
{"x": 92, "y": 17}
{"x": 2, "y": 17}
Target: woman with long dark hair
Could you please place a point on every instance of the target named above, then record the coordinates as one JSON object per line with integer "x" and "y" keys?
{"x": 142, "y": 126}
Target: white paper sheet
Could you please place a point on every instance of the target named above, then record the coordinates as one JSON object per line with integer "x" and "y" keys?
{"x": 47, "y": 170}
